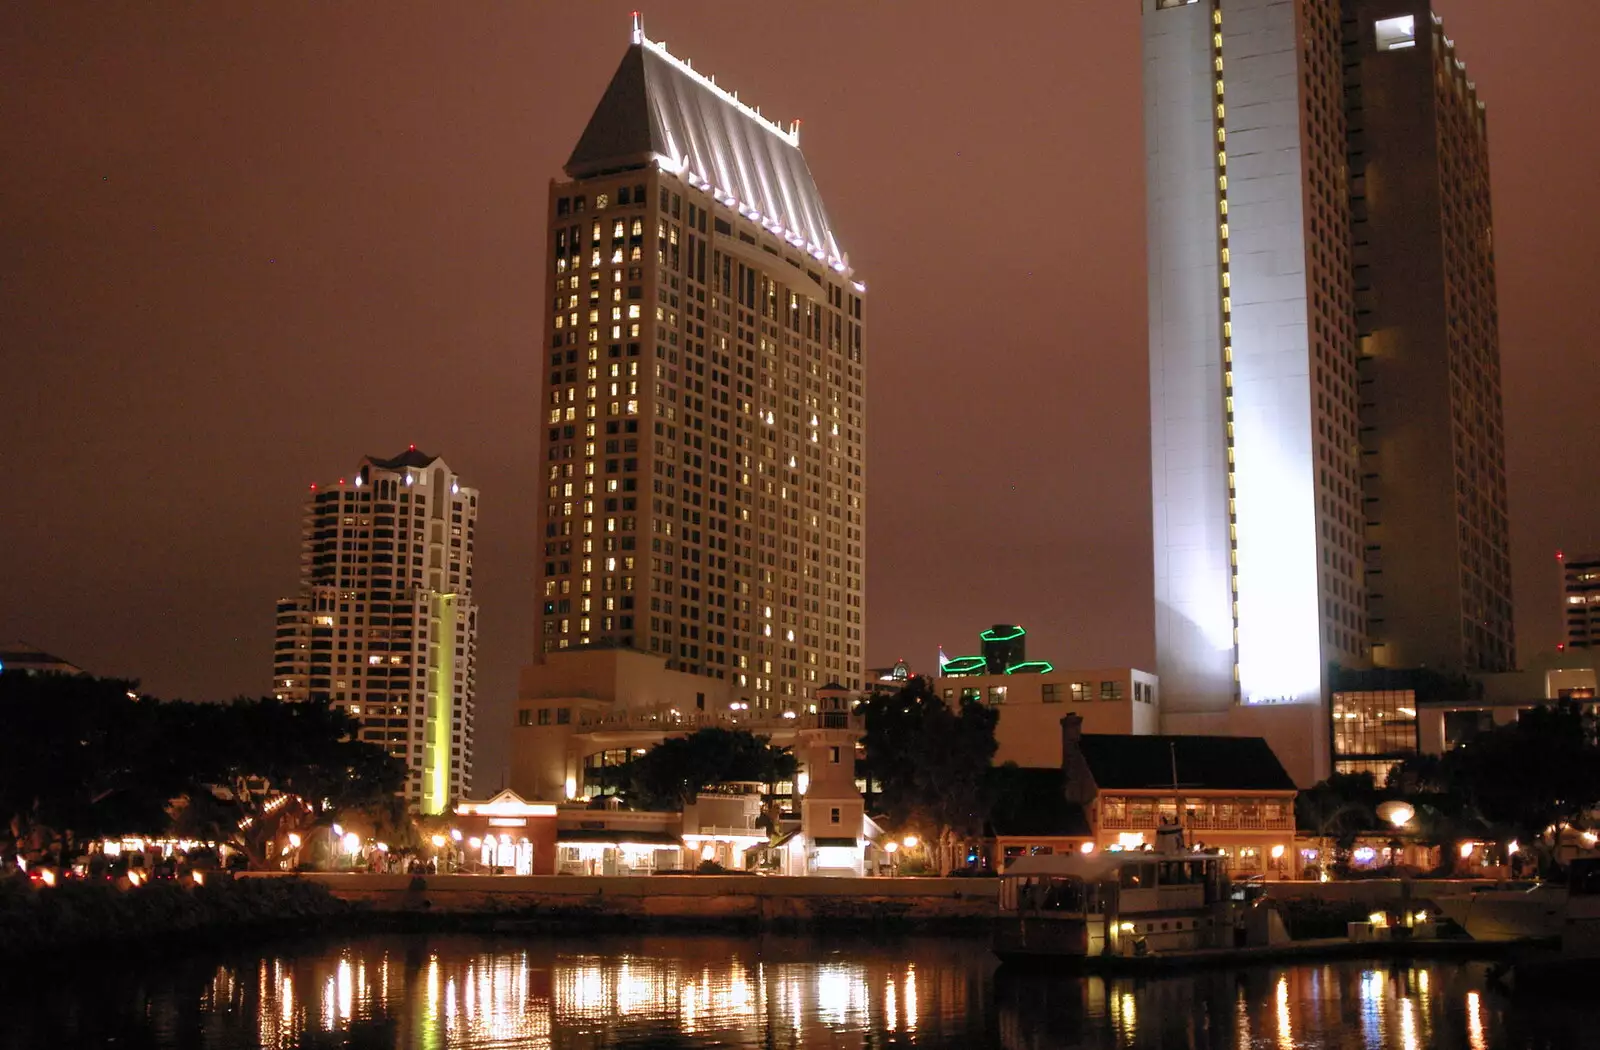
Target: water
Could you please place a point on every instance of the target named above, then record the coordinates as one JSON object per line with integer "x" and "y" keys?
{"x": 769, "y": 993}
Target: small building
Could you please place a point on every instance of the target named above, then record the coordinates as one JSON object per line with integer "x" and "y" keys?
{"x": 1031, "y": 817}
{"x": 1228, "y": 794}
{"x": 609, "y": 840}
{"x": 726, "y": 825}
{"x": 1032, "y": 695}
{"x": 506, "y": 834}
{"x": 1120, "y": 700}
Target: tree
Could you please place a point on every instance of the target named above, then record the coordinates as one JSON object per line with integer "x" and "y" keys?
{"x": 92, "y": 758}
{"x": 1540, "y": 772}
{"x": 87, "y": 757}
{"x": 1335, "y": 812}
{"x": 672, "y": 773}
{"x": 931, "y": 763}
{"x": 272, "y": 767}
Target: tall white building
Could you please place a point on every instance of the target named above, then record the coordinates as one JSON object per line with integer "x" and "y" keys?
{"x": 384, "y": 625}
{"x": 1298, "y": 315}
{"x": 1255, "y": 466}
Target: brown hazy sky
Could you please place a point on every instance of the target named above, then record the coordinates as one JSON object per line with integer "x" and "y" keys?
{"x": 242, "y": 245}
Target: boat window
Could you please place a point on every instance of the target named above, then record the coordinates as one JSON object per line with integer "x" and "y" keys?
{"x": 1138, "y": 876}
{"x": 1064, "y": 895}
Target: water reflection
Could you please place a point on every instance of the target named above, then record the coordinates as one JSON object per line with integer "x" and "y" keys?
{"x": 436, "y": 992}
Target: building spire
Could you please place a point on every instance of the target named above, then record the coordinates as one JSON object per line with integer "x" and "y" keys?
{"x": 638, "y": 28}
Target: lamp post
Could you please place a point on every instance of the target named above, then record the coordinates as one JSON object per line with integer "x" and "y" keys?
{"x": 893, "y": 849}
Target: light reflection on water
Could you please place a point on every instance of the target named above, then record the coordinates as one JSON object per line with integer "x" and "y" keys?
{"x": 469, "y": 991}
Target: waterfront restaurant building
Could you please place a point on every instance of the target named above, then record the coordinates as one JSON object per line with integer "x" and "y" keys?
{"x": 1226, "y": 793}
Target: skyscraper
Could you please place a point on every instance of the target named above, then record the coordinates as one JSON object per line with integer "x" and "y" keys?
{"x": 384, "y": 625}
{"x": 1438, "y": 544}
{"x": 1288, "y": 329}
{"x": 1580, "y": 600}
{"x": 703, "y": 422}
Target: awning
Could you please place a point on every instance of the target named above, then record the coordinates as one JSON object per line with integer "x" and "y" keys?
{"x": 836, "y": 842}
{"x": 617, "y": 837}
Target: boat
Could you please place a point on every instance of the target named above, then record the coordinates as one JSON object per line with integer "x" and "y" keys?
{"x": 1572, "y": 961}
{"x": 1082, "y": 908}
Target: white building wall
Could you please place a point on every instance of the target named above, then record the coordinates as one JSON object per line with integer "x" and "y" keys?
{"x": 1280, "y": 652}
{"x": 1194, "y": 618}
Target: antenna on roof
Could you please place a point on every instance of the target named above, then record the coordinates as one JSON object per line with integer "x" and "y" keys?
{"x": 638, "y": 28}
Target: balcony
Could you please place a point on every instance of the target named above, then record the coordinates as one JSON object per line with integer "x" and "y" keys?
{"x": 760, "y": 722}
{"x": 1200, "y": 822}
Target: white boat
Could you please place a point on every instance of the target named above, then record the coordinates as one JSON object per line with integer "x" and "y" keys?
{"x": 1509, "y": 914}
{"x": 1075, "y": 907}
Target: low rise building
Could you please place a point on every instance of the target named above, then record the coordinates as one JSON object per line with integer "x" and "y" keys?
{"x": 1223, "y": 793}
{"x": 1122, "y": 700}
{"x": 1383, "y": 717}
{"x": 1032, "y": 695}
{"x": 582, "y": 714}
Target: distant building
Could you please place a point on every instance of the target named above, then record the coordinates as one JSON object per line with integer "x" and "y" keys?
{"x": 1580, "y": 599}
{"x": 1383, "y": 717}
{"x": 581, "y": 717}
{"x": 1327, "y": 442}
{"x": 28, "y": 659}
{"x": 1032, "y": 695}
{"x": 384, "y": 625}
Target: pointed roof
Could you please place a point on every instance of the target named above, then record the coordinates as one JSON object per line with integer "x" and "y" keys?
{"x": 658, "y": 110}
{"x": 411, "y": 457}
{"x": 1208, "y": 763}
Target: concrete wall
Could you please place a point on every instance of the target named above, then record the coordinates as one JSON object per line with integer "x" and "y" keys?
{"x": 700, "y": 899}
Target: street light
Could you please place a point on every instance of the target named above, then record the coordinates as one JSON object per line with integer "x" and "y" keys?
{"x": 910, "y": 842}
{"x": 1396, "y": 812}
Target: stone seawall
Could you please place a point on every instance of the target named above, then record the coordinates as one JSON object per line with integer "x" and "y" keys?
{"x": 700, "y": 901}
{"x": 1383, "y": 891}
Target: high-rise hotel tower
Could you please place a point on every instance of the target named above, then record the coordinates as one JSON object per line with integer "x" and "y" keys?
{"x": 702, "y": 431}
{"x": 384, "y": 625}
{"x": 1326, "y": 436}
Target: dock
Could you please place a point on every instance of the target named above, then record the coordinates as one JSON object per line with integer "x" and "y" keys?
{"x": 1327, "y": 949}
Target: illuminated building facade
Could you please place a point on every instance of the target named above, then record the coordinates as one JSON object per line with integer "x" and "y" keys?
{"x": 1580, "y": 600}
{"x": 702, "y": 432}
{"x": 1288, "y": 493}
{"x": 384, "y": 625}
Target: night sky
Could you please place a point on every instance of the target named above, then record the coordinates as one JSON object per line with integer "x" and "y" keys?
{"x": 242, "y": 247}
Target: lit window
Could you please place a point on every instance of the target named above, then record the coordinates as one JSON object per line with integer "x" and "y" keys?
{"x": 1395, "y": 34}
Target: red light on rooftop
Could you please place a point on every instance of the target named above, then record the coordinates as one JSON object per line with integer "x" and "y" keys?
{"x": 413, "y": 448}
{"x": 313, "y": 486}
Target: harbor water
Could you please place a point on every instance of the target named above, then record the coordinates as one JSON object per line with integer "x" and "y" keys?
{"x": 460, "y": 991}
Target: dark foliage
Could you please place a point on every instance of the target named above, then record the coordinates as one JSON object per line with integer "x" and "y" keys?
{"x": 672, "y": 773}
{"x": 101, "y": 760}
{"x": 931, "y": 763}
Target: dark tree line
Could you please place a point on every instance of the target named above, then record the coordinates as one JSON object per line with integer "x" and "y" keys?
{"x": 670, "y": 775}
{"x": 87, "y": 758}
{"x": 931, "y": 765}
